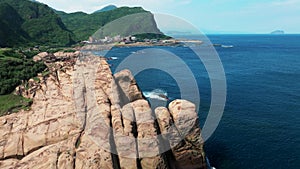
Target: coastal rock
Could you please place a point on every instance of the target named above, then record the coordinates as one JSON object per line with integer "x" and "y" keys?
{"x": 58, "y": 56}
{"x": 28, "y": 88}
{"x": 82, "y": 116}
{"x": 126, "y": 83}
{"x": 189, "y": 152}
{"x": 147, "y": 139}
{"x": 59, "y": 64}
{"x": 40, "y": 56}
{"x": 67, "y": 54}
{"x": 125, "y": 142}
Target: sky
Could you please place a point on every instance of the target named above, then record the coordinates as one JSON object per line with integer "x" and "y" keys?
{"x": 209, "y": 16}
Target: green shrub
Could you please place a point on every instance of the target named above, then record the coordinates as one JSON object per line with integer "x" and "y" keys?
{"x": 13, "y": 70}
{"x": 11, "y": 103}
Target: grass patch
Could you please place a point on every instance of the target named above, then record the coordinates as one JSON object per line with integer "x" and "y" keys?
{"x": 12, "y": 103}
{"x": 8, "y": 52}
{"x": 36, "y": 79}
{"x": 45, "y": 73}
{"x": 53, "y": 50}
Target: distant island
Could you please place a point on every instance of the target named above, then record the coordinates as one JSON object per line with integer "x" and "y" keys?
{"x": 277, "y": 32}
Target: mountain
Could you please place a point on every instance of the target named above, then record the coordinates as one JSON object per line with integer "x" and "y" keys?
{"x": 84, "y": 25}
{"x": 11, "y": 23}
{"x": 141, "y": 24}
{"x": 107, "y": 8}
{"x": 31, "y": 22}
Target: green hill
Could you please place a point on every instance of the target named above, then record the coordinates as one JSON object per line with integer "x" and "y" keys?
{"x": 11, "y": 23}
{"x": 24, "y": 23}
{"x": 85, "y": 25}
{"x": 27, "y": 21}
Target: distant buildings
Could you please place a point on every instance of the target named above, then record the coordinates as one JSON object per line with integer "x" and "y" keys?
{"x": 108, "y": 40}
{"x": 91, "y": 39}
{"x": 126, "y": 40}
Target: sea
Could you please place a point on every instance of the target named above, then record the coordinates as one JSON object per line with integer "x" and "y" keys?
{"x": 260, "y": 125}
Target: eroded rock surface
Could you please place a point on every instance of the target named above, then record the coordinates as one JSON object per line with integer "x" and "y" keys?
{"x": 84, "y": 117}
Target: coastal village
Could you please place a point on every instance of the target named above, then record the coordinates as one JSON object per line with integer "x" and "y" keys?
{"x": 108, "y": 42}
{"x": 127, "y": 40}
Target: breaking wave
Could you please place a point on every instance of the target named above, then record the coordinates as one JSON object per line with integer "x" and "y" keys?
{"x": 158, "y": 94}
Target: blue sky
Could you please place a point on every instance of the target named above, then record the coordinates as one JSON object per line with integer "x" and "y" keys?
{"x": 209, "y": 16}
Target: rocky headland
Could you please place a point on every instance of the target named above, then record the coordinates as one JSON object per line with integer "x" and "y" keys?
{"x": 83, "y": 116}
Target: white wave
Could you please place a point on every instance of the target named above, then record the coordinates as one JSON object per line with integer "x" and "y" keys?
{"x": 158, "y": 94}
{"x": 208, "y": 164}
{"x": 112, "y": 58}
{"x": 227, "y": 46}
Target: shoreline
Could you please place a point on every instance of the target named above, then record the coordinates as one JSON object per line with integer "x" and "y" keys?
{"x": 137, "y": 44}
{"x": 109, "y": 46}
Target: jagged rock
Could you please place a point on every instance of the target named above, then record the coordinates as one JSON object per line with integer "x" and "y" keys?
{"x": 58, "y": 63}
{"x": 58, "y": 56}
{"x": 66, "y": 160}
{"x": 148, "y": 144}
{"x": 189, "y": 153}
{"x": 126, "y": 82}
{"x": 125, "y": 142}
{"x": 50, "y": 156}
{"x": 90, "y": 155}
{"x": 9, "y": 163}
{"x": 84, "y": 117}
{"x": 28, "y": 88}
{"x": 40, "y": 56}
{"x": 169, "y": 132}
{"x": 67, "y": 54}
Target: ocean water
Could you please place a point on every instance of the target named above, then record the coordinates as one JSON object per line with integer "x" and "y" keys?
{"x": 260, "y": 126}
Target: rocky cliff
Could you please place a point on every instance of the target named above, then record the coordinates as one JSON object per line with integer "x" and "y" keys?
{"x": 84, "y": 117}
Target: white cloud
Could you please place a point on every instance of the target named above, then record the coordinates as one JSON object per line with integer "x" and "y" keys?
{"x": 286, "y": 3}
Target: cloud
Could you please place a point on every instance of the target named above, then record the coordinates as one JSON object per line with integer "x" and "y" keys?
{"x": 286, "y": 3}
{"x": 185, "y": 2}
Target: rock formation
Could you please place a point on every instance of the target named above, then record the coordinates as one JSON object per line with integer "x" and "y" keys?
{"x": 82, "y": 116}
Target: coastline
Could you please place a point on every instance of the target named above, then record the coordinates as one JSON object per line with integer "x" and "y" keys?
{"x": 137, "y": 44}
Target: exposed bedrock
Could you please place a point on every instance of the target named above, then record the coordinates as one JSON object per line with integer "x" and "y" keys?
{"x": 83, "y": 116}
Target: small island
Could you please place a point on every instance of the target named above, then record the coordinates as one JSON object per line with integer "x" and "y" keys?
{"x": 277, "y": 32}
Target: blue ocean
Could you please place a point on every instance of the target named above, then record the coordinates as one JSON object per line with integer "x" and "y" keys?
{"x": 260, "y": 126}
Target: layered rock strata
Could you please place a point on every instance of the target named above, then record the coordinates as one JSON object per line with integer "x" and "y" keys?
{"x": 84, "y": 117}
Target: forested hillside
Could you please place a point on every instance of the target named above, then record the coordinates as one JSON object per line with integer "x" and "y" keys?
{"x": 28, "y": 23}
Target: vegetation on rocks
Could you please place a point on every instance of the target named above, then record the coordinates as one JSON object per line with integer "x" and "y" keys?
{"x": 12, "y": 103}
{"x": 16, "y": 67}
